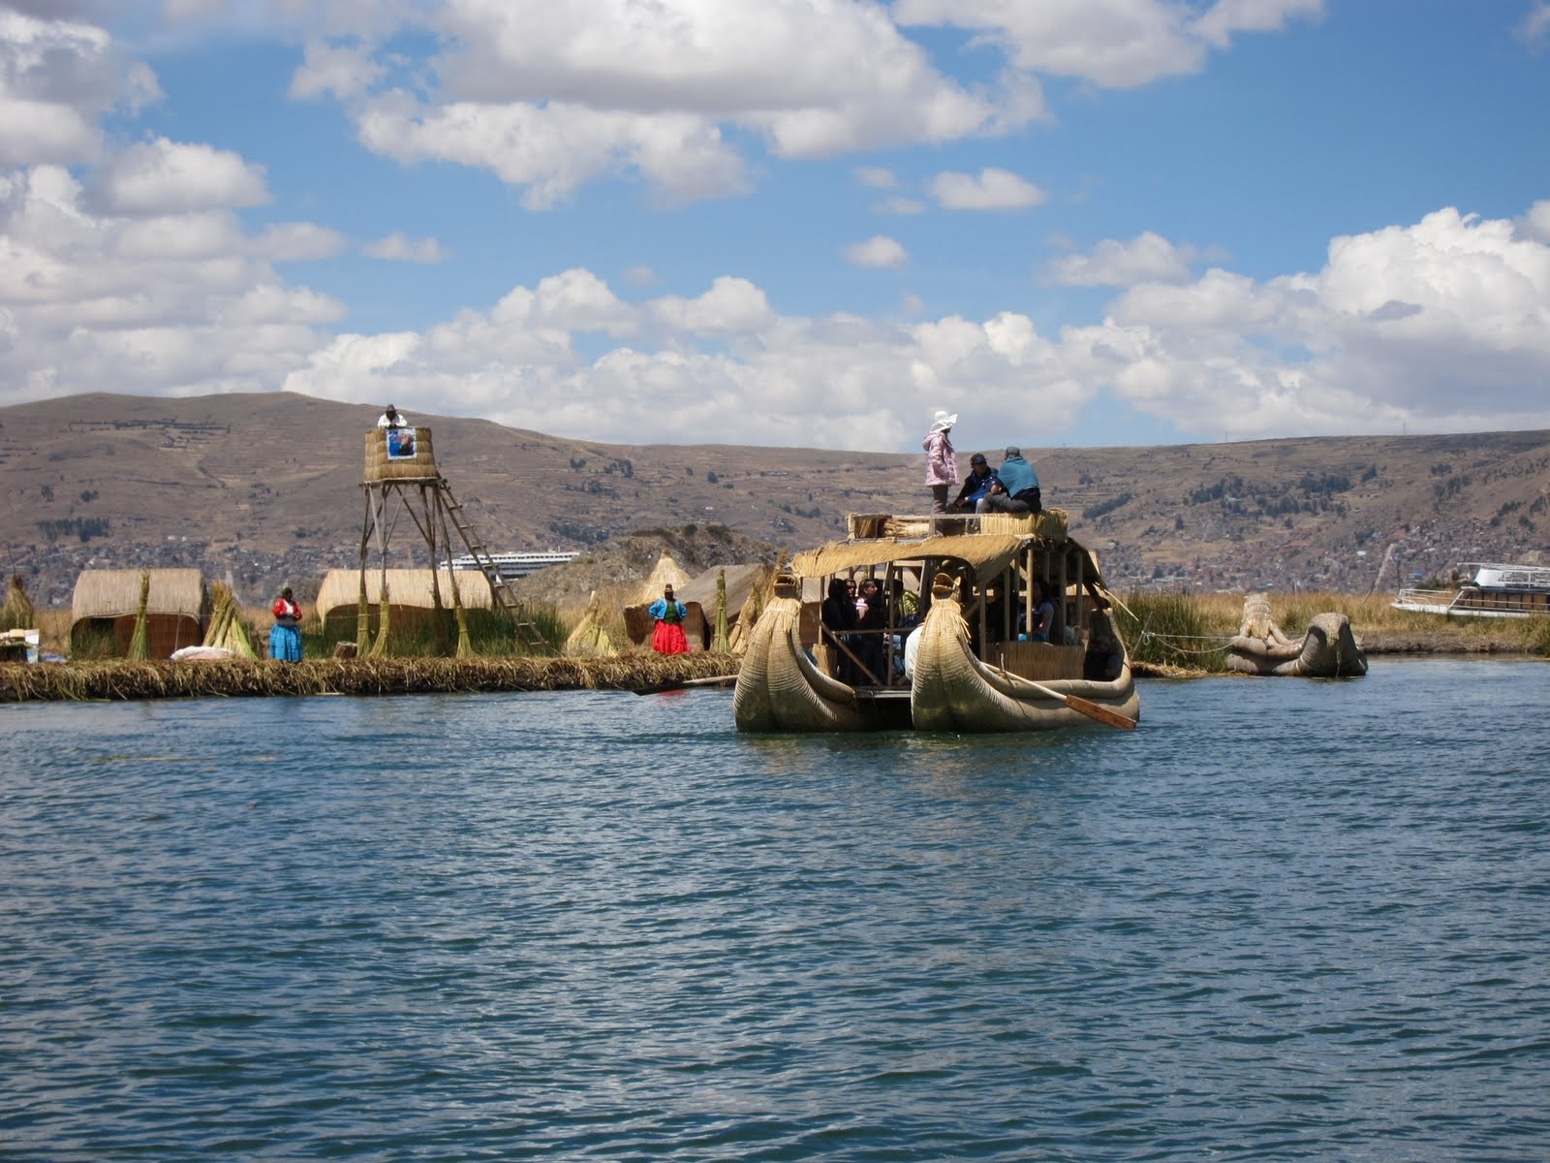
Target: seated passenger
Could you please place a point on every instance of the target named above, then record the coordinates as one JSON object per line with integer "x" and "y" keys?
{"x": 976, "y": 485}
{"x": 1105, "y": 659}
{"x": 1016, "y": 489}
{"x": 1043, "y": 614}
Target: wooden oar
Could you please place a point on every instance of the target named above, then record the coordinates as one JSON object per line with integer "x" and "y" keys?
{"x": 1081, "y": 706}
{"x": 1085, "y": 707}
{"x": 682, "y": 683}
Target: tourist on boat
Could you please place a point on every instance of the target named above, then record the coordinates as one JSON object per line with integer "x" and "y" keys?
{"x": 1016, "y": 489}
{"x": 976, "y": 485}
{"x": 941, "y": 461}
{"x": 838, "y": 615}
{"x": 1105, "y": 659}
{"x": 1043, "y": 613}
{"x": 871, "y": 626}
{"x": 285, "y": 638}
{"x": 669, "y": 613}
{"x": 392, "y": 418}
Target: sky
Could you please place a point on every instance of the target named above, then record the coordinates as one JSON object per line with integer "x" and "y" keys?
{"x": 807, "y": 223}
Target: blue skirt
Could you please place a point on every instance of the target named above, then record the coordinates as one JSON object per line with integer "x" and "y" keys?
{"x": 285, "y": 643}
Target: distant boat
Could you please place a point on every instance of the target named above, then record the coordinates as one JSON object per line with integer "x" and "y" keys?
{"x": 1494, "y": 591}
{"x": 1327, "y": 649}
{"x": 950, "y": 652}
{"x": 515, "y": 565}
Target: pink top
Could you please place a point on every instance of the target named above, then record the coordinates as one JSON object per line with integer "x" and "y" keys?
{"x": 941, "y": 464}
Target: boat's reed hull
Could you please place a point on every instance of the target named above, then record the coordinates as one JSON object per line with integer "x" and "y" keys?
{"x": 1327, "y": 650}
{"x": 952, "y": 690}
{"x": 779, "y": 688}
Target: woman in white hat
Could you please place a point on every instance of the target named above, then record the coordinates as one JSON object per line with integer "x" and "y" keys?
{"x": 941, "y": 463}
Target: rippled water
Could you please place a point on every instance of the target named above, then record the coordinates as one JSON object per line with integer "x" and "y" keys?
{"x": 1284, "y": 919}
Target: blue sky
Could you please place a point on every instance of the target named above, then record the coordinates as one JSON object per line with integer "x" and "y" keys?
{"x": 790, "y": 222}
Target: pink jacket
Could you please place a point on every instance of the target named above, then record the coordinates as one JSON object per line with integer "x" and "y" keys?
{"x": 941, "y": 464}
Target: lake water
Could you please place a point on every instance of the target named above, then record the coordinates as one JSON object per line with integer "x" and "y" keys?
{"x": 1284, "y": 919}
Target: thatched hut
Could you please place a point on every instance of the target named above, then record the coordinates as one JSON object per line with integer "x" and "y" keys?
{"x": 410, "y": 593}
{"x": 742, "y": 582}
{"x": 107, "y": 602}
{"x": 590, "y": 638}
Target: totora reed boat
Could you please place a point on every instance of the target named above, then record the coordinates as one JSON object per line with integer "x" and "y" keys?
{"x": 945, "y": 645}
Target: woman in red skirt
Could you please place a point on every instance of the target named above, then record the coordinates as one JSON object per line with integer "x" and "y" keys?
{"x": 669, "y": 612}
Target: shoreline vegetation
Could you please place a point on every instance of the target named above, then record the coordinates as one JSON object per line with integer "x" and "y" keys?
{"x": 1170, "y": 635}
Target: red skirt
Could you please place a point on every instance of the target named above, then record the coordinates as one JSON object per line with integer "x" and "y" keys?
{"x": 668, "y": 638}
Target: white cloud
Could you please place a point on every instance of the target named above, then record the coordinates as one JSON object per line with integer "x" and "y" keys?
{"x": 1535, "y": 25}
{"x": 163, "y": 176}
{"x": 56, "y": 77}
{"x": 1536, "y": 223}
{"x": 992, "y": 189}
{"x": 1147, "y": 258}
{"x": 171, "y": 304}
{"x": 879, "y": 253}
{"x": 876, "y": 177}
{"x": 1113, "y": 43}
{"x": 345, "y": 70}
{"x": 730, "y": 305}
{"x": 901, "y": 206}
{"x": 397, "y": 247}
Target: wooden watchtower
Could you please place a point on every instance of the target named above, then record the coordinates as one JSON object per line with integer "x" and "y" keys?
{"x": 401, "y": 467}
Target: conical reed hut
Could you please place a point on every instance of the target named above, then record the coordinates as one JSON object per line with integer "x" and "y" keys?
{"x": 17, "y": 613}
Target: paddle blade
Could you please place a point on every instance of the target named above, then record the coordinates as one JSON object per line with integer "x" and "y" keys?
{"x": 1100, "y": 713}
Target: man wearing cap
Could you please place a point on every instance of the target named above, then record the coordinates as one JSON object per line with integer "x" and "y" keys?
{"x": 976, "y": 485}
{"x": 1016, "y": 489}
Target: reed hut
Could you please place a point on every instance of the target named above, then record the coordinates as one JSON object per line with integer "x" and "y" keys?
{"x": 107, "y": 602}
{"x": 412, "y": 594}
{"x": 743, "y": 584}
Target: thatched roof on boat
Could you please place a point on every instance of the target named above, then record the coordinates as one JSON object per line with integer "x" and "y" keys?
{"x": 115, "y": 593}
{"x": 406, "y": 588}
{"x": 988, "y": 553}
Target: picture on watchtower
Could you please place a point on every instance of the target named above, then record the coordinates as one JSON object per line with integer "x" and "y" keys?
{"x": 400, "y": 443}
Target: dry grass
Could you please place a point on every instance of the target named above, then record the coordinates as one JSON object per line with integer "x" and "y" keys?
{"x": 235, "y": 678}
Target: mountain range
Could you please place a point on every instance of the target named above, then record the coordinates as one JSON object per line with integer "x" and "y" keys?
{"x": 261, "y": 489}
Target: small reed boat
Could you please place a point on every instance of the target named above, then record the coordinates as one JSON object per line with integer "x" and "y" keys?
{"x": 1327, "y": 650}
{"x": 950, "y": 650}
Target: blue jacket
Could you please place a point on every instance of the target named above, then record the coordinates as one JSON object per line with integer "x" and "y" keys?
{"x": 1016, "y": 475}
{"x": 976, "y": 487}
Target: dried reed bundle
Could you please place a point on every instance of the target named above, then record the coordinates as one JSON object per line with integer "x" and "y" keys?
{"x": 589, "y": 639}
{"x": 718, "y": 642}
{"x": 226, "y": 630}
{"x": 17, "y": 613}
{"x": 140, "y": 643}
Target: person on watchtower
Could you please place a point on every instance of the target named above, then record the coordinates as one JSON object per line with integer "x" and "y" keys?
{"x": 669, "y": 612}
{"x": 392, "y": 418}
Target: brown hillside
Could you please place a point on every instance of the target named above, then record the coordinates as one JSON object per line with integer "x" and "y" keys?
{"x": 263, "y": 488}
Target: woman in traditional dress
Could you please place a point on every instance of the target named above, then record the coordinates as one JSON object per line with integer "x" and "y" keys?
{"x": 285, "y": 638}
{"x": 669, "y": 612}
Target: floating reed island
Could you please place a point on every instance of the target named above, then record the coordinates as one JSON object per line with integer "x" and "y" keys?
{"x": 242, "y": 678}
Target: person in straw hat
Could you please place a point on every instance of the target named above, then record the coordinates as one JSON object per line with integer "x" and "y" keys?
{"x": 941, "y": 462}
{"x": 392, "y": 418}
{"x": 668, "y": 637}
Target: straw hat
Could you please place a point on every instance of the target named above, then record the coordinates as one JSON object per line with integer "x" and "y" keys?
{"x": 943, "y": 421}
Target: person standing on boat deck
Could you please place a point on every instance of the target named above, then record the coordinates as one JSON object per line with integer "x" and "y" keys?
{"x": 976, "y": 485}
{"x": 872, "y": 624}
{"x": 941, "y": 462}
{"x": 1016, "y": 489}
{"x": 392, "y": 418}
{"x": 838, "y": 615}
{"x": 285, "y": 638}
{"x": 668, "y": 637}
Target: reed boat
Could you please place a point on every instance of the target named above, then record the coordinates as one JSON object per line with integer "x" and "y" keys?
{"x": 1328, "y": 649}
{"x": 1493, "y": 591}
{"x": 950, "y": 650}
